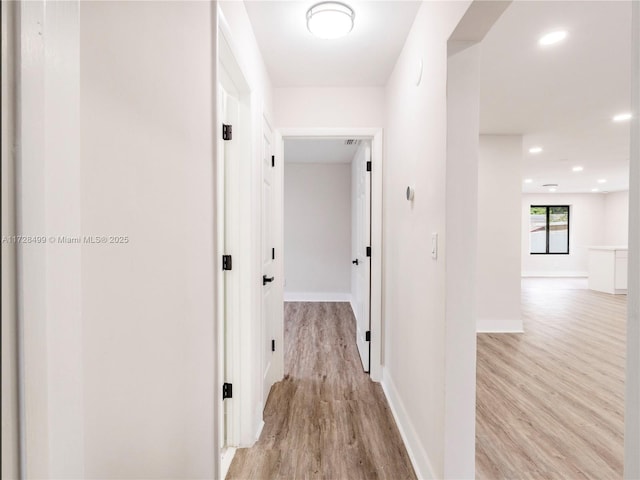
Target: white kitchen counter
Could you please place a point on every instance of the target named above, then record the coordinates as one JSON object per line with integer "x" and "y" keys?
{"x": 608, "y": 269}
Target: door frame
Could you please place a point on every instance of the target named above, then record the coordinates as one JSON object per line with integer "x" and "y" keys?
{"x": 235, "y": 325}
{"x": 376, "y": 357}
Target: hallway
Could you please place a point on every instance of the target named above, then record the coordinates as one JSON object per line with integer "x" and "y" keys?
{"x": 326, "y": 419}
{"x": 146, "y": 239}
{"x": 550, "y": 402}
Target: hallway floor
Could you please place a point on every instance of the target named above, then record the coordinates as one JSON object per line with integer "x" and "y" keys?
{"x": 326, "y": 419}
{"x": 550, "y": 402}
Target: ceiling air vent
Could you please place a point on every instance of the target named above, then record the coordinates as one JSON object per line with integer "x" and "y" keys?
{"x": 352, "y": 141}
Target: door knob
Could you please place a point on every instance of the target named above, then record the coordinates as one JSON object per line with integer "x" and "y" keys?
{"x": 355, "y": 262}
{"x": 266, "y": 279}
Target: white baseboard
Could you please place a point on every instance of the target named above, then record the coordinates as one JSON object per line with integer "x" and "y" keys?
{"x": 569, "y": 274}
{"x": 259, "y": 432}
{"x": 225, "y": 460}
{"x": 316, "y": 297}
{"x": 486, "y": 325}
{"x": 417, "y": 454}
{"x": 353, "y": 309}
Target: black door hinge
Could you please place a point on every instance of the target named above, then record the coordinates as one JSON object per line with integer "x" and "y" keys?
{"x": 273, "y": 254}
{"x": 227, "y": 391}
{"x": 368, "y": 166}
{"x": 273, "y": 345}
{"x": 367, "y": 335}
{"x": 368, "y": 251}
{"x": 273, "y": 160}
{"x": 227, "y": 131}
{"x": 226, "y": 262}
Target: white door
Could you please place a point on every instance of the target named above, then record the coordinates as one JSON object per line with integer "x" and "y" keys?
{"x": 361, "y": 261}
{"x": 268, "y": 264}
{"x": 226, "y": 237}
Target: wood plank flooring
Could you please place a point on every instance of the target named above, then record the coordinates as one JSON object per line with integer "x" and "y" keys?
{"x": 326, "y": 419}
{"x": 550, "y": 402}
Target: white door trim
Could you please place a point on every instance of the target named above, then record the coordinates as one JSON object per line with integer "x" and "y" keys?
{"x": 237, "y": 364}
{"x": 632, "y": 393}
{"x": 375, "y": 135}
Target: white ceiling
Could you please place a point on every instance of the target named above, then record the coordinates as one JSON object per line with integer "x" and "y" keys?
{"x": 365, "y": 57}
{"x": 318, "y": 150}
{"x": 561, "y": 97}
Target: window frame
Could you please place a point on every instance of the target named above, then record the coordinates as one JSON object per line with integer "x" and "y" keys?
{"x": 548, "y": 229}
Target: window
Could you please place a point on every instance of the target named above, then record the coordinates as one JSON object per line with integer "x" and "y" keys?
{"x": 549, "y": 231}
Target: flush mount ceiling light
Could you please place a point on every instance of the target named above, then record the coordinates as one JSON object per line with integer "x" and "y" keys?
{"x": 552, "y": 38}
{"x": 602, "y": 180}
{"x": 330, "y": 20}
{"x": 622, "y": 117}
{"x": 535, "y": 150}
{"x": 577, "y": 168}
{"x": 528, "y": 180}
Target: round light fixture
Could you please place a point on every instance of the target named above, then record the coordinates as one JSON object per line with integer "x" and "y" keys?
{"x": 330, "y": 20}
{"x": 528, "y": 180}
{"x": 553, "y": 37}
{"x": 577, "y": 168}
{"x": 535, "y": 150}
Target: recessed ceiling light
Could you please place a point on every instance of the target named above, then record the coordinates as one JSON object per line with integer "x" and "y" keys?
{"x": 553, "y": 189}
{"x": 535, "y": 150}
{"x": 622, "y": 117}
{"x": 595, "y": 189}
{"x": 528, "y": 180}
{"x": 602, "y": 180}
{"x": 330, "y": 20}
{"x": 553, "y": 37}
{"x": 577, "y": 168}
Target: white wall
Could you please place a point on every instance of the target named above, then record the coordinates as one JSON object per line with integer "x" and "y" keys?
{"x": 317, "y": 231}
{"x": 459, "y": 254}
{"x": 586, "y": 229}
{"x": 308, "y": 107}
{"x": 147, "y": 173}
{"x": 616, "y": 218}
{"x": 499, "y": 231}
{"x": 414, "y": 283}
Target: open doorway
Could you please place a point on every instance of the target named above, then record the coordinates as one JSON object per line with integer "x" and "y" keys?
{"x": 327, "y": 227}
{"x": 552, "y": 181}
{"x": 358, "y": 270}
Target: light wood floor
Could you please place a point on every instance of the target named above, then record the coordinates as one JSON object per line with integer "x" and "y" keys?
{"x": 326, "y": 419}
{"x": 550, "y": 402}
